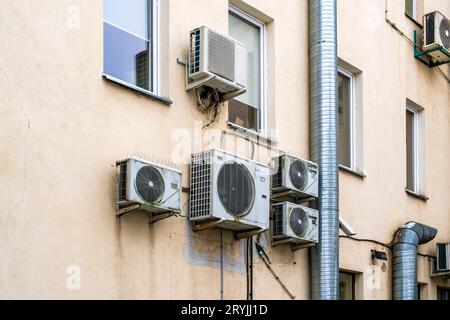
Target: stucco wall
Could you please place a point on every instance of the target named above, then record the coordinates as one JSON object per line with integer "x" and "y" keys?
{"x": 63, "y": 127}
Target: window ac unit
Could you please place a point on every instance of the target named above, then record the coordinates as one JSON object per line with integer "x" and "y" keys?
{"x": 299, "y": 176}
{"x": 217, "y": 61}
{"x": 443, "y": 257}
{"x": 155, "y": 188}
{"x": 294, "y": 223}
{"x": 229, "y": 191}
{"x": 437, "y": 36}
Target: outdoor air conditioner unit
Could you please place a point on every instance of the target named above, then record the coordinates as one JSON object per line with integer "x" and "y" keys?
{"x": 437, "y": 36}
{"x": 218, "y": 61}
{"x": 443, "y": 257}
{"x": 152, "y": 187}
{"x": 229, "y": 191}
{"x": 298, "y": 176}
{"x": 294, "y": 223}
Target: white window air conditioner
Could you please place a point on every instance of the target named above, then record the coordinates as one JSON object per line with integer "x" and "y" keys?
{"x": 300, "y": 177}
{"x": 229, "y": 192}
{"x": 294, "y": 223}
{"x": 437, "y": 36}
{"x": 152, "y": 187}
{"x": 443, "y": 257}
{"x": 216, "y": 60}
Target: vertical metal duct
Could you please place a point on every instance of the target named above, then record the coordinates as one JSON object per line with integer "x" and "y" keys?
{"x": 406, "y": 240}
{"x": 324, "y": 145}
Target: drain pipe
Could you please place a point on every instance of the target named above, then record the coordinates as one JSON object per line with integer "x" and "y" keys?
{"x": 404, "y": 278}
{"x": 324, "y": 145}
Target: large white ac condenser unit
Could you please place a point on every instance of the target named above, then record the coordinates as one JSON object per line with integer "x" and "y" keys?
{"x": 232, "y": 191}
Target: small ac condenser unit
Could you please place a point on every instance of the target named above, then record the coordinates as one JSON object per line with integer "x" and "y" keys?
{"x": 299, "y": 176}
{"x": 217, "y": 60}
{"x": 437, "y": 36}
{"x": 155, "y": 188}
{"x": 294, "y": 223}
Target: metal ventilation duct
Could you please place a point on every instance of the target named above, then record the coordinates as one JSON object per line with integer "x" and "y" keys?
{"x": 324, "y": 145}
{"x": 406, "y": 240}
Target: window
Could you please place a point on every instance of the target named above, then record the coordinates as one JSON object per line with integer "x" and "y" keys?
{"x": 346, "y": 119}
{"x": 413, "y": 163}
{"x": 415, "y": 9}
{"x": 346, "y": 286}
{"x": 248, "y": 110}
{"x": 443, "y": 294}
{"x": 130, "y": 44}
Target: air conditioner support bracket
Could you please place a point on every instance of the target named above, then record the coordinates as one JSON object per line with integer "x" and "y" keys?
{"x": 155, "y": 217}
{"x": 201, "y": 226}
{"x": 297, "y": 247}
{"x": 248, "y": 234}
{"x": 424, "y": 56}
{"x": 122, "y": 210}
{"x": 289, "y": 196}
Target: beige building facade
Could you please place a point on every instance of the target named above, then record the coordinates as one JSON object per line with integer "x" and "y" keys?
{"x": 64, "y": 126}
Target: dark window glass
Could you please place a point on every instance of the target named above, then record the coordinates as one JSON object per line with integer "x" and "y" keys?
{"x": 443, "y": 294}
{"x": 410, "y": 151}
{"x": 346, "y": 286}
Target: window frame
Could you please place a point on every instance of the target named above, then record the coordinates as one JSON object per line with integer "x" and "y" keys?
{"x": 353, "y": 284}
{"x": 262, "y": 119}
{"x": 416, "y": 149}
{"x": 154, "y": 40}
{"x": 352, "y": 110}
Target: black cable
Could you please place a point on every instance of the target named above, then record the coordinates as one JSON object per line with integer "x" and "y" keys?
{"x": 388, "y": 246}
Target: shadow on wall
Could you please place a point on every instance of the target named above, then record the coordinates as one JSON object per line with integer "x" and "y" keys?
{"x": 202, "y": 249}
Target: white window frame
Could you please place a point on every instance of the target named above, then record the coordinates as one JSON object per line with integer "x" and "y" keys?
{"x": 352, "y": 110}
{"x": 416, "y": 154}
{"x": 414, "y": 9}
{"x": 156, "y": 55}
{"x": 262, "y": 121}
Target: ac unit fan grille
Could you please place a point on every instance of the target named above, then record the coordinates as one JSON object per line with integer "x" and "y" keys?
{"x": 200, "y": 194}
{"x": 277, "y": 177}
{"x": 299, "y": 222}
{"x": 221, "y": 55}
{"x": 444, "y": 30}
{"x": 123, "y": 181}
{"x": 195, "y": 52}
{"x": 149, "y": 184}
{"x": 298, "y": 173}
{"x": 277, "y": 221}
{"x": 236, "y": 189}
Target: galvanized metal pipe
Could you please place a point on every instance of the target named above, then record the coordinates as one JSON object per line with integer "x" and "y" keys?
{"x": 404, "y": 274}
{"x": 324, "y": 145}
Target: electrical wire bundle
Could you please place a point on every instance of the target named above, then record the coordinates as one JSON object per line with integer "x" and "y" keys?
{"x": 208, "y": 101}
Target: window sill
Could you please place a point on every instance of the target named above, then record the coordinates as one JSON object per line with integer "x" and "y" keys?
{"x": 417, "y": 195}
{"x": 352, "y": 172}
{"x": 417, "y": 23}
{"x": 252, "y": 134}
{"x": 137, "y": 89}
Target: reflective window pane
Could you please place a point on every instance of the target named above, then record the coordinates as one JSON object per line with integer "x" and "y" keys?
{"x": 131, "y": 15}
{"x": 244, "y": 110}
{"x": 126, "y": 57}
{"x": 345, "y": 129}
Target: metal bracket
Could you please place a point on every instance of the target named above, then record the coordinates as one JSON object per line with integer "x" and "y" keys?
{"x": 248, "y": 234}
{"x": 289, "y": 195}
{"x": 161, "y": 216}
{"x": 123, "y": 210}
{"x": 424, "y": 57}
{"x": 200, "y": 226}
{"x": 302, "y": 246}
